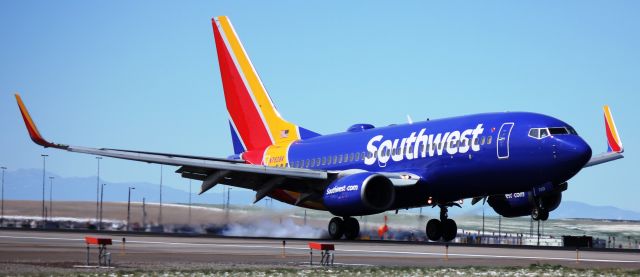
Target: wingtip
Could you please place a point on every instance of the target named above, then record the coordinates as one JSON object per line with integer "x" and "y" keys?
{"x": 614, "y": 142}
{"x": 34, "y": 134}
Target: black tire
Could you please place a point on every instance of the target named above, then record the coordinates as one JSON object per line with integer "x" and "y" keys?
{"x": 449, "y": 230}
{"x": 434, "y": 230}
{"x": 336, "y": 228}
{"x": 351, "y": 228}
{"x": 544, "y": 215}
{"x": 535, "y": 214}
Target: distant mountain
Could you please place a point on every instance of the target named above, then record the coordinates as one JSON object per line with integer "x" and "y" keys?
{"x": 574, "y": 209}
{"x": 567, "y": 209}
{"x": 26, "y": 184}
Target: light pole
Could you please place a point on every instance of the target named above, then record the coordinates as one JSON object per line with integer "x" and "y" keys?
{"x": 189, "y": 202}
{"x": 144, "y": 213}
{"x": 51, "y": 197}
{"x": 44, "y": 166}
{"x": 2, "y": 216}
{"x": 101, "y": 198}
{"x": 98, "y": 188}
{"x": 160, "y": 213}
{"x": 224, "y": 203}
{"x": 482, "y": 237}
{"x": 499, "y": 229}
{"x": 129, "y": 208}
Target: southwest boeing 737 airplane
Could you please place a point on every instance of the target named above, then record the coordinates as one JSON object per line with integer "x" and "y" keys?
{"x": 518, "y": 162}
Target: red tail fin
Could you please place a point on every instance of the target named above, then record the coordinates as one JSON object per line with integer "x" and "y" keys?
{"x": 253, "y": 115}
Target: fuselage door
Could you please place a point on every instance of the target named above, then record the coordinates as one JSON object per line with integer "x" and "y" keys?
{"x": 503, "y": 140}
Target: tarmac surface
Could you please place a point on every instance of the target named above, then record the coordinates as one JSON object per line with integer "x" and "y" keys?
{"x": 49, "y": 249}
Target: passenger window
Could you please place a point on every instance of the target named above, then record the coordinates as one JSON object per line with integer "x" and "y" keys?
{"x": 357, "y": 156}
{"x": 313, "y": 163}
{"x": 475, "y": 141}
{"x": 544, "y": 133}
{"x": 317, "y": 161}
{"x": 482, "y": 140}
{"x": 324, "y": 160}
{"x": 351, "y": 157}
{"x": 489, "y": 140}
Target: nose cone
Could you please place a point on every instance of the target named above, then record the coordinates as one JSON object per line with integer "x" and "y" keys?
{"x": 574, "y": 151}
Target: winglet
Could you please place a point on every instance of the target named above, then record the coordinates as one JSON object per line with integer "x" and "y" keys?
{"x": 31, "y": 127}
{"x": 613, "y": 139}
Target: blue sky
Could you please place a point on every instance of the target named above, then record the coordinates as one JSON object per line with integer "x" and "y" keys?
{"x": 144, "y": 75}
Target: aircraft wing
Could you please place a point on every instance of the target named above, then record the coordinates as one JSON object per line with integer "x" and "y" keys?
{"x": 310, "y": 184}
{"x": 208, "y": 169}
{"x": 614, "y": 143}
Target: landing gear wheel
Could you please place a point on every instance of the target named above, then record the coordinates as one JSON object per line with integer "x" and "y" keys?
{"x": 449, "y": 230}
{"x": 535, "y": 214}
{"x": 539, "y": 214}
{"x": 336, "y": 228}
{"x": 434, "y": 230}
{"x": 544, "y": 215}
{"x": 351, "y": 228}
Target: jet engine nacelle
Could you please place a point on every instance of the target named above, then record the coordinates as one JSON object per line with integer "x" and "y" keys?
{"x": 359, "y": 194}
{"x": 522, "y": 203}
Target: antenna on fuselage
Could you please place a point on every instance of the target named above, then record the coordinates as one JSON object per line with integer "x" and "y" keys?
{"x": 409, "y": 119}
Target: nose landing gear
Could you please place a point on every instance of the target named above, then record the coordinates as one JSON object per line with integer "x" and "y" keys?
{"x": 349, "y": 227}
{"x": 445, "y": 228}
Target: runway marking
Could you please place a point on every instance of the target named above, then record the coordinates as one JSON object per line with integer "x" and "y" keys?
{"x": 345, "y": 250}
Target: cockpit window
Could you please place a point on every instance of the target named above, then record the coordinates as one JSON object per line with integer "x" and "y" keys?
{"x": 544, "y": 133}
{"x": 540, "y": 133}
{"x": 558, "y": 131}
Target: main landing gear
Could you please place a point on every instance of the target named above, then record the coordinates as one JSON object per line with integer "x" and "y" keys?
{"x": 444, "y": 228}
{"x": 349, "y": 227}
{"x": 539, "y": 212}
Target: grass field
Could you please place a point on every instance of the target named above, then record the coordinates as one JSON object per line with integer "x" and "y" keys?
{"x": 251, "y": 270}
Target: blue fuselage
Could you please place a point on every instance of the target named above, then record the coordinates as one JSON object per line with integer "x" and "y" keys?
{"x": 455, "y": 158}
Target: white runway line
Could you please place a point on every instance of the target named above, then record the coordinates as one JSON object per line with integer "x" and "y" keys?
{"x": 485, "y": 256}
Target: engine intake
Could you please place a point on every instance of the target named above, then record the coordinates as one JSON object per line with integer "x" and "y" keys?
{"x": 522, "y": 203}
{"x": 359, "y": 194}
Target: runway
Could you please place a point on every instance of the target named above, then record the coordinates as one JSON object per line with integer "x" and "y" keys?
{"x": 64, "y": 249}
